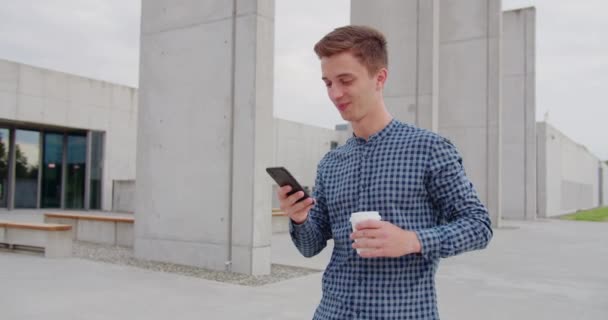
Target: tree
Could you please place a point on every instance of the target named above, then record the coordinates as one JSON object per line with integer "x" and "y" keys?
{"x": 22, "y": 167}
{"x": 3, "y": 160}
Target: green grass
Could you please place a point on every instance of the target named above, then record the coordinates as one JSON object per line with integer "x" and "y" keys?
{"x": 598, "y": 214}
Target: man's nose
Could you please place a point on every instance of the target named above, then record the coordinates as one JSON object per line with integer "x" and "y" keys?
{"x": 335, "y": 92}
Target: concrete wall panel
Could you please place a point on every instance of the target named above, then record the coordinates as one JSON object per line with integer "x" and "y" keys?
{"x": 8, "y": 103}
{"x": 251, "y": 198}
{"x": 514, "y": 181}
{"x": 470, "y": 92}
{"x": 518, "y": 115}
{"x": 175, "y": 70}
{"x": 162, "y": 15}
{"x": 123, "y": 196}
{"x": 403, "y": 108}
{"x": 464, "y": 83}
{"x": 206, "y": 97}
{"x": 461, "y": 21}
{"x": 9, "y": 76}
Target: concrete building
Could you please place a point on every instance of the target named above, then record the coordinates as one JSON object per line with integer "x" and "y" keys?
{"x": 570, "y": 178}
{"x": 63, "y": 138}
{"x": 518, "y": 114}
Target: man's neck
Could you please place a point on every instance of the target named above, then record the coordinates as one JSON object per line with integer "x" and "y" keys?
{"x": 371, "y": 124}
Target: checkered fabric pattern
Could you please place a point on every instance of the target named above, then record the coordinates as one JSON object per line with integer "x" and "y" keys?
{"x": 416, "y": 180}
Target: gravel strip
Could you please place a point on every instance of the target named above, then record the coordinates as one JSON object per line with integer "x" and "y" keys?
{"x": 125, "y": 256}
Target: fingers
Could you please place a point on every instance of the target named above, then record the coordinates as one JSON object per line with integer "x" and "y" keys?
{"x": 367, "y": 233}
{"x": 288, "y": 203}
{"x": 370, "y": 248}
{"x": 283, "y": 191}
{"x": 282, "y": 195}
{"x": 371, "y": 237}
{"x": 368, "y": 243}
{"x": 303, "y": 205}
{"x": 299, "y": 212}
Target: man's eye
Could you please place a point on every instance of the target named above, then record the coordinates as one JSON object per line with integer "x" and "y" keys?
{"x": 347, "y": 82}
{"x": 328, "y": 84}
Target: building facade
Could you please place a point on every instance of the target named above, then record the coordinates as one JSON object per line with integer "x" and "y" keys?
{"x": 63, "y": 139}
{"x": 570, "y": 178}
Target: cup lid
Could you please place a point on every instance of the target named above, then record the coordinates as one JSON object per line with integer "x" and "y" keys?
{"x": 365, "y": 214}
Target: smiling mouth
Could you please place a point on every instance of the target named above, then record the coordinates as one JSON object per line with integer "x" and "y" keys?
{"x": 343, "y": 106}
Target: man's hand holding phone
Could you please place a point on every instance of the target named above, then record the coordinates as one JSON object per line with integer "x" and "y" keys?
{"x": 297, "y": 211}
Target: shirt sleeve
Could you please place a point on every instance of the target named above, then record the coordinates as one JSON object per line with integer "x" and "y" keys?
{"x": 464, "y": 221}
{"x": 310, "y": 237}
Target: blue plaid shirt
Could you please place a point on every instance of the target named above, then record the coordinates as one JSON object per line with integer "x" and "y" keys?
{"x": 416, "y": 180}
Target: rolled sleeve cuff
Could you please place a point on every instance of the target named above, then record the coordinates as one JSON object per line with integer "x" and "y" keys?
{"x": 297, "y": 228}
{"x": 430, "y": 242}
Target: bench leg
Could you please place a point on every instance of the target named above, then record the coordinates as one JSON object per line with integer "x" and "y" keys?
{"x": 59, "y": 245}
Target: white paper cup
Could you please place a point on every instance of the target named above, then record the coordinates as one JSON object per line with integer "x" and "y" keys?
{"x": 360, "y": 216}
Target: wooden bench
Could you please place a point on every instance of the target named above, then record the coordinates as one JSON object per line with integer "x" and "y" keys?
{"x": 96, "y": 228}
{"x": 280, "y": 221}
{"x": 278, "y": 212}
{"x": 54, "y": 239}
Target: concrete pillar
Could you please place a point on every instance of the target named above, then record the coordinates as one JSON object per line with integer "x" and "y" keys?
{"x": 603, "y": 184}
{"x": 518, "y": 115}
{"x": 205, "y": 134}
{"x": 412, "y": 31}
{"x": 469, "y": 91}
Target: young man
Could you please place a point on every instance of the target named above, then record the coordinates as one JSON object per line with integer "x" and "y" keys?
{"x": 412, "y": 177}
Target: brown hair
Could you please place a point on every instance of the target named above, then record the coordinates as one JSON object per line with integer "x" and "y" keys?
{"x": 367, "y": 44}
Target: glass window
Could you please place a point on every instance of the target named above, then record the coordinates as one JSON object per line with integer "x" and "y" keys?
{"x": 4, "y": 148}
{"x": 52, "y": 170}
{"x": 27, "y": 163}
{"x": 96, "y": 170}
{"x": 75, "y": 175}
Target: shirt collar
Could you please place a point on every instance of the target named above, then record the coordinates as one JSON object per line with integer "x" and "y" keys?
{"x": 378, "y": 135}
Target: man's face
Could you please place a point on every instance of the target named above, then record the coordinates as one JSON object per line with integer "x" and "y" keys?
{"x": 350, "y": 87}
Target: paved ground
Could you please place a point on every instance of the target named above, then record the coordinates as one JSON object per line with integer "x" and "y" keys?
{"x": 544, "y": 269}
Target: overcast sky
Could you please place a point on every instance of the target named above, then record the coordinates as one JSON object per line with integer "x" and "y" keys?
{"x": 100, "y": 39}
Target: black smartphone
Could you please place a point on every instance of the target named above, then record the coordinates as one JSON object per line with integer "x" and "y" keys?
{"x": 283, "y": 178}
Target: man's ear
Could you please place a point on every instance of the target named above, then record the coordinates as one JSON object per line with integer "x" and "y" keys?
{"x": 381, "y": 78}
